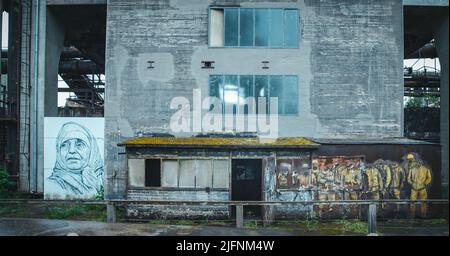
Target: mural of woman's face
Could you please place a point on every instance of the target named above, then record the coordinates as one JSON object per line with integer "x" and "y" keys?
{"x": 75, "y": 153}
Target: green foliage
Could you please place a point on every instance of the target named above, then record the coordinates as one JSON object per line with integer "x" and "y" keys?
{"x": 5, "y": 183}
{"x": 311, "y": 223}
{"x": 251, "y": 224}
{"x": 95, "y": 212}
{"x": 357, "y": 227}
{"x": 100, "y": 194}
{"x": 424, "y": 101}
{"x": 61, "y": 212}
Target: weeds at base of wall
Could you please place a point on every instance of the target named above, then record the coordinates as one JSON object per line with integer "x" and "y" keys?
{"x": 92, "y": 212}
{"x": 5, "y": 183}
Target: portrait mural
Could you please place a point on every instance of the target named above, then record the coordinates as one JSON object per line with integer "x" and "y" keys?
{"x": 73, "y": 159}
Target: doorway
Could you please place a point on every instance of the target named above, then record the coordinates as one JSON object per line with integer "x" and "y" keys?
{"x": 246, "y": 184}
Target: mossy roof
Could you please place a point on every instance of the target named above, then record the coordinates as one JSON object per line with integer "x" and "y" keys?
{"x": 193, "y": 142}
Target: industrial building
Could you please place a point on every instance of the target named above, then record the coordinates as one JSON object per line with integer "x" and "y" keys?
{"x": 135, "y": 124}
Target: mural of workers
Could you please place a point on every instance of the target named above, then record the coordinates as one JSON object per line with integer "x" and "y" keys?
{"x": 373, "y": 185}
{"x": 398, "y": 179}
{"x": 350, "y": 179}
{"x": 301, "y": 176}
{"x": 385, "y": 171}
{"x": 331, "y": 178}
{"x": 326, "y": 182}
{"x": 419, "y": 177}
{"x": 314, "y": 172}
{"x": 284, "y": 174}
{"x": 78, "y": 169}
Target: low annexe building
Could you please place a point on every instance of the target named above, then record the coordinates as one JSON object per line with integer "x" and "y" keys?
{"x": 252, "y": 169}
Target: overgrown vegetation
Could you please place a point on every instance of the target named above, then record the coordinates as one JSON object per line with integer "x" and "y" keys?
{"x": 311, "y": 223}
{"x": 252, "y": 224}
{"x": 5, "y": 183}
{"x": 91, "y": 212}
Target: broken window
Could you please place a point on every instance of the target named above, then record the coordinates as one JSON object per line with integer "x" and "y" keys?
{"x": 250, "y": 27}
{"x": 235, "y": 89}
{"x": 152, "y": 172}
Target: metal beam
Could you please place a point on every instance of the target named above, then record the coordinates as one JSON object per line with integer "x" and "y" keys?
{"x": 97, "y": 90}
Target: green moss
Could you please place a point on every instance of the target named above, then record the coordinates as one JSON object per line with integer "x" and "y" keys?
{"x": 218, "y": 141}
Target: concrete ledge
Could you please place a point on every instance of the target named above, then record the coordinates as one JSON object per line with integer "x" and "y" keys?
{"x": 425, "y": 2}
{"x": 75, "y": 2}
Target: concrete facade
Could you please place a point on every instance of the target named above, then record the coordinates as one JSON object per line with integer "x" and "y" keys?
{"x": 348, "y": 62}
{"x": 441, "y": 35}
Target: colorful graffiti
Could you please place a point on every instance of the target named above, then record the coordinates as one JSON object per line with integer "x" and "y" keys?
{"x": 351, "y": 178}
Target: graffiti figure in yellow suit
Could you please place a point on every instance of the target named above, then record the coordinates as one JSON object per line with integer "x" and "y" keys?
{"x": 398, "y": 180}
{"x": 350, "y": 179}
{"x": 385, "y": 171}
{"x": 374, "y": 182}
{"x": 326, "y": 184}
{"x": 419, "y": 177}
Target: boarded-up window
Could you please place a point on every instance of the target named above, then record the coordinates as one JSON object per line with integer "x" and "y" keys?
{"x": 136, "y": 172}
{"x": 203, "y": 174}
{"x": 187, "y": 174}
{"x": 169, "y": 175}
{"x": 216, "y": 29}
{"x": 221, "y": 174}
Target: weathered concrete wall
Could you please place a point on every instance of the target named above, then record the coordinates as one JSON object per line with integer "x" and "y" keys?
{"x": 441, "y": 37}
{"x": 55, "y": 41}
{"x": 349, "y": 64}
{"x": 184, "y": 212}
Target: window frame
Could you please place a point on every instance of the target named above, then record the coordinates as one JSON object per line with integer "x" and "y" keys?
{"x": 236, "y": 109}
{"x": 178, "y": 188}
{"x": 297, "y": 46}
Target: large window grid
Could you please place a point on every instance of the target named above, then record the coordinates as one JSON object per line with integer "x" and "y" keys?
{"x": 253, "y": 27}
{"x": 235, "y": 89}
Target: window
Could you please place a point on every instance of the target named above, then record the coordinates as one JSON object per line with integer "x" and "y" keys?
{"x": 136, "y": 172}
{"x": 235, "y": 90}
{"x": 152, "y": 172}
{"x": 221, "y": 173}
{"x": 183, "y": 173}
{"x": 250, "y": 27}
{"x": 169, "y": 173}
{"x": 293, "y": 173}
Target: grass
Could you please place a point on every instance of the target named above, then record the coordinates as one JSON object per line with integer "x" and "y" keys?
{"x": 252, "y": 224}
{"x": 417, "y": 221}
{"x": 356, "y": 227}
{"x": 78, "y": 212}
{"x": 222, "y": 223}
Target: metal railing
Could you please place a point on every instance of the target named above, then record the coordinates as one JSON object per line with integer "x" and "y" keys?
{"x": 112, "y": 204}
